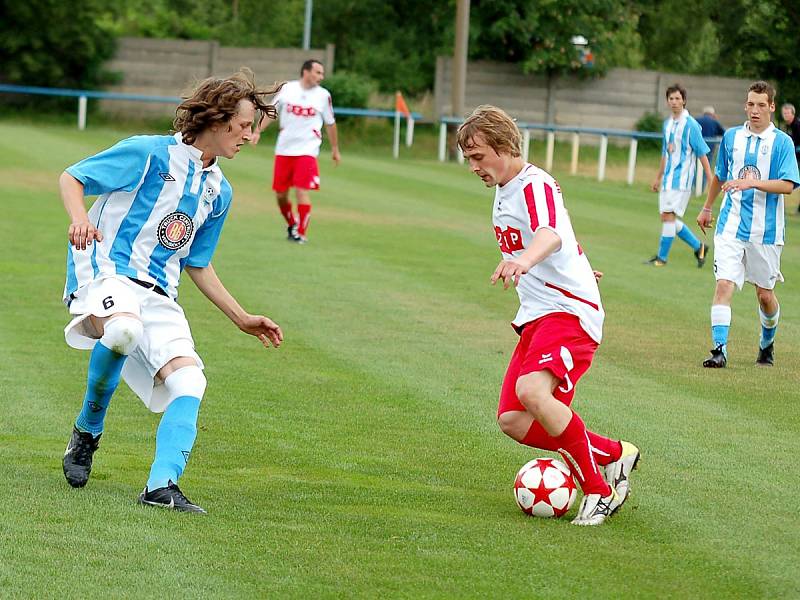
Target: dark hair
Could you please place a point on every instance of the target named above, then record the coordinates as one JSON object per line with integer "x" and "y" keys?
{"x": 676, "y": 87}
{"x": 762, "y": 87}
{"x": 308, "y": 65}
{"x": 217, "y": 101}
{"x": 495, "y": 126}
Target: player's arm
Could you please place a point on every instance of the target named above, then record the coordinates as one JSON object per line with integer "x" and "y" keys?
{"x": 656, "y": 185}
{"x": 264, "y": 328}
{"x": 771, "y": 186}
{"x": 706, "y": 216}
{"x": 545, "y": 242}
{"x": 333, "y": 137}
{"x": 81, "y": 231}
{"x": 706, "y": 166}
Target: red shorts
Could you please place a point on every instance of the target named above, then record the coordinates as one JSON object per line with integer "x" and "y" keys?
{"x": 295, "y": 171}
{"x": 556, "y": 343}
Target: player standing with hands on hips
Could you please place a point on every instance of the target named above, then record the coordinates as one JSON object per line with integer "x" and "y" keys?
{"x": 755, "y": 167}
{"x": 162, "y": 203}
{"x": 560, "y": 318}
{"x": 303, "y": 107}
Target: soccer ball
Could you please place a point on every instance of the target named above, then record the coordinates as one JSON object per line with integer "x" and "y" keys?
{"x": 544, "y": 487}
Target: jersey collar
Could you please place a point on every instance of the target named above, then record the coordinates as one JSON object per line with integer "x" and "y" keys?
{"x": 763, "y": 135}
{"x": 195, "y": 153}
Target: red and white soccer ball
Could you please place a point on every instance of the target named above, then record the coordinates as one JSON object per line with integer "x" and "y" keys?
{"x": 544, "y": 487}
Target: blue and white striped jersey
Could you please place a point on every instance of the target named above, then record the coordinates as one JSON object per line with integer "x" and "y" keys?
{"x": 158, "y": 210}
{"x": 683, "y": 144}
{"x": 752, "y": 215}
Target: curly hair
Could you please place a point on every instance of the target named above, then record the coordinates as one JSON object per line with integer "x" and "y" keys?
{"x": 217, "y": 101}
{"x": 497, "y": 128}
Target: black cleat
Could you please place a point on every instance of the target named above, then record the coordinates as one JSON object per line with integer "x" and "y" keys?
{"x": 717, "y": 359}
{"x": 291, "y": 234}
{"x": 169, "y": 497}
{"x": 700, "y": 255}
{"x": 655, "y": 262}
{"x": 766, "y": 356}
{"x": 78, "y": 457}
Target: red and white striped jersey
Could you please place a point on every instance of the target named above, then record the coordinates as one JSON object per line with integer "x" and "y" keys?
{"x": 564, "y": 281}
{"x": 301, "y": 114}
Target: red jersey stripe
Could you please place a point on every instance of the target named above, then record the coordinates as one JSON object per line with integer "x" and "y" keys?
{"x": 551, "y": 206}
{"x": 531, "y": 207}
{"x": 569, "y": 294}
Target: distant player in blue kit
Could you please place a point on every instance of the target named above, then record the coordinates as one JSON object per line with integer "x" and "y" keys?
{"x": 161, "y": 207}
{"x": 755, "y": 167}
{"x": 682, "y": 144}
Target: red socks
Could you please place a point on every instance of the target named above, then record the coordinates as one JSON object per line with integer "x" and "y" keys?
{"x": 582, "y": 450}
{"x": 286, "y": 211}
{"x": 304, "y": 210}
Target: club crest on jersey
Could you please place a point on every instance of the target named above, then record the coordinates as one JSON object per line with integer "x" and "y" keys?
{"x": 209, "y": 194}
{"x": 749, "y": 172}
{"x": 509, "y": 240}
{"x": 175, "y": 230}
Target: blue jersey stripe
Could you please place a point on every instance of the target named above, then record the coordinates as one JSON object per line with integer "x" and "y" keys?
{"x": 746, "y": 215}
{"x": 72, "y": 279}
{"x": 771, "y": 228}
{"x": 139, "y": 212}
{"x": 724, "y": 213}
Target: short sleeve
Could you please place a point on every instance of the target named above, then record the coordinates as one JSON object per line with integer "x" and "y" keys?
{"x": 545, "y": 204}
{"x": 207, "y": 236}
{"x": 120, "y": 167}
{"x": 327, "y": 112}
{"x": 784, "y": 161}
{"x": 696, "y": 140}
{"x": 722, "y": 158}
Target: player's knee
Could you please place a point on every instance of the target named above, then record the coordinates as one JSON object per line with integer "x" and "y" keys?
{"x": 186, "y": 381}
{"x": 122, "y": 334}
{"x": 533, "y": 393}
{"x": 510, "y": 423}
{"x": 765, "y": 296}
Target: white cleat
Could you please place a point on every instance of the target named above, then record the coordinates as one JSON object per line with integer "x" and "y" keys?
{"x": 618, "y": 472}
{"x": 595, "y": 508}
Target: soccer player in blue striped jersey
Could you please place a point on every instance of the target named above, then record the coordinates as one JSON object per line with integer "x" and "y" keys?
{"x": 162, "y": 202}
{"x": 682, "y": 144}
{"x": 755, "y": 168}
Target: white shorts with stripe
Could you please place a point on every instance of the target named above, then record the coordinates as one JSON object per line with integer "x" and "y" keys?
{"x": 739, "y": 261}
{"x": 166, "y": 332}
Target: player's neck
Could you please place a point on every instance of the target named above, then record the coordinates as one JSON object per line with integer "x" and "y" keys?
{"x": 514, "y": 166}
{"x": 306, "y": 85}
{"x": 758, "y": 128}
{"x": 677, "y": 115}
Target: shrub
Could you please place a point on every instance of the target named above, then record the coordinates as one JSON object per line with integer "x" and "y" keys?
{"x": 650, "y": 121}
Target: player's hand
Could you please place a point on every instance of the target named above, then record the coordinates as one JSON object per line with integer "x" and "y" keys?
{"x": 508, "y": 271}
{"x": 82, "y": 233}
{"x": 264, "y": 328}
{"x": 705, "y": 219}
{"x": 254, "y": 137}
{"x": 337, "y": 158}
{"x": 655, "y": 185}
{"x": 738, "y": 185}
{"x": 598, "y": 275}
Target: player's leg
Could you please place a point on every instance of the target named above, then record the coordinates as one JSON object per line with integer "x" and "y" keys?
{"x": 698, "y": 247}
{"x": 281, "y": 182}
{"x": 185, "y": 385}
{"x": 306, "y": 179}
{"x": 667, "y": 237}
{"x": 763, "y": 270}
{"x": 303, "y": 211}
{"x": 117, "y": 335}
{"x": 769, "y": 312}
{"x": 729, "y": 272}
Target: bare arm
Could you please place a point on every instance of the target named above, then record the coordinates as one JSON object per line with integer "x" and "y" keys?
{"x": 706, "y": 216}
{"x": 545, "y": 242}
{"x": 81, "y": 231}
{"x": 656, "y": 185}
{"x": 333, "y": 137}
{"x": 771, "y": 186}
{"x": 706, "y": 166}
{"x": 266, "y": 330}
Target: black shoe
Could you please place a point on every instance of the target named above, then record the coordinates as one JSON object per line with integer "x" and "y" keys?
{"x": 169, "y": 497}
{"x": 291, "y": 234}
{"x": 655, "y": 262}
{"x": 700, "y": 255}
{"x": 78, "y": 457}
{"x": 766, "y": 356}
{"x": 717, "y": 359}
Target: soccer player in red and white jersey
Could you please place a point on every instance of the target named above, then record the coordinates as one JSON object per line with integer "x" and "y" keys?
{"x": 560, "y": 318}
{"x": 303, "y": 107}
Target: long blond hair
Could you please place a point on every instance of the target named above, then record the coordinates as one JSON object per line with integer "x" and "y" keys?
{"x": 495, "y": 126}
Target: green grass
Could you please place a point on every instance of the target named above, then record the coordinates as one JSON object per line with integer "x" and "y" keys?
{"x": 361, "y": 459}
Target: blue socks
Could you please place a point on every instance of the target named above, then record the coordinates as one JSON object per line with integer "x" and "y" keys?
{"x": 769, "y": 326}
{"x": 174, "y": 441}
{"x": 667, "y": 237}
{"x": 720, "y": 325}
{"x": 105, "y": 367}
{"x": 686, "y": 235}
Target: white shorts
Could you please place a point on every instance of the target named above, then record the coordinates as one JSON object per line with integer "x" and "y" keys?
{"x": 739, "y": 261}
{"x": 673, "y": 201}
{"x": 166, "y": 332}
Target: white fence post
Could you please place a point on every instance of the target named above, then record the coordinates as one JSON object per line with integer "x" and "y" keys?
{"x": 442, "y": 142}
{"x": 551, "y": 142}
{"x": 526, "y": 143}
{"x": 396, "y": 140}
{"x": 601, "y": 159}
{"x": 698, "y": 178}
{"x": 82, "y": 112}
{"x": 576, "y": 142}
{"x": 632, "y": 160}
{"x": 409, "y": 131}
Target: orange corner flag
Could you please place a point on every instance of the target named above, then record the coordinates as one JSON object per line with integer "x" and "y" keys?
{"x": 400, "y": 105}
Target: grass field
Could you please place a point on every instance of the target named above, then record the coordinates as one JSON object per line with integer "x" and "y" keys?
{"x": 361, "y": 459}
